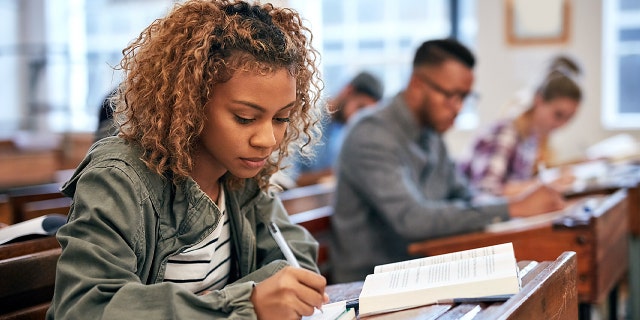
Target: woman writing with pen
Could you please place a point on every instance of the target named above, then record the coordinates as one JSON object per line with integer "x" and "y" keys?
{"x": 170, "y": 218}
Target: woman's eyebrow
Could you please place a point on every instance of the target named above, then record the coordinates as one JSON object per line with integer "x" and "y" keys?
{"x": 261, "y": 108}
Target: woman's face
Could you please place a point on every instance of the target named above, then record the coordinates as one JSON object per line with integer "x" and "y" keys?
{"x": 552, "y": 114}
{"x": 247, "y": 117}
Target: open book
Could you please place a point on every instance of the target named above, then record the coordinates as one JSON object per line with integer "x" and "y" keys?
{"x": 483, "y": 272}
{"x": 46, "y": 225}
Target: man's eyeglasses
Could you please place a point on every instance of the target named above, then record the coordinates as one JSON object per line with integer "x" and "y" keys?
{"x": 451, "y": 96}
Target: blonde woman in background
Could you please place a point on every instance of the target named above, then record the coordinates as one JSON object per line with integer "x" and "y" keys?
{"x": 505, "y": 158}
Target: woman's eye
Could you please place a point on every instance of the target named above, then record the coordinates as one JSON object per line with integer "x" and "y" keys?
{"x": 242, "y": 120}
{"x": 283, "y": 120}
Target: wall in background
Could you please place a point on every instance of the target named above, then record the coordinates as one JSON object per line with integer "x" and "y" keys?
{"x": 503, "y": 69}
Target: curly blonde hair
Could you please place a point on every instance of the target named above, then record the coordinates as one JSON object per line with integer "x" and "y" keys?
{"x": 172, "y": 65}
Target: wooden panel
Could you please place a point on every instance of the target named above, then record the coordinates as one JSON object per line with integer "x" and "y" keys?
{"x": 610, "y": 231}
{"x": 36, "y": 312}
{"x": 40, "y": 208}
{"x": 318, "y": 223}
{"x": 18, "y": 197}
{"x": 551, "y": 294}
{"x": 633, "y": 207}
{"x": 26, "y": 168}
{"x": 74, "y": 148}
{"x": 6, "y": 215}
{"x": 600, "y": 246}
{"x": 27, "y": 280}
{"x": 21, "y": 248}
{"x": 307, "y": 198}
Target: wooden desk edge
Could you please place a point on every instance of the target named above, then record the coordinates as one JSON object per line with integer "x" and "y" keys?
{"x": 539, "y": 295}
{"x": 536, "y": 293}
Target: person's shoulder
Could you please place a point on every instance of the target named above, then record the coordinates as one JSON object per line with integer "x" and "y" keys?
{"x": 115, "y": 148}
{"x": 504, "y": 125}
{"x": 110, "y": 156}
{"x": 115, "y": 152}
{"x": 370, "y": 116}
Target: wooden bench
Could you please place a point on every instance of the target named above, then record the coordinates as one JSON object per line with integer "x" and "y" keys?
{"x": 20, "y": 196}
{"x": 307, "y": 198}
{"x": 6, "y": 215}
{"x": 599, "y": 240}
{"x": 312, "y": 207}
{"x": 318, "y": 222}
{"x": 16, "y": 249}
{"x": 40, "y": 208}
{"x": 23, "y": 168}
{"x": 27, "y": 284}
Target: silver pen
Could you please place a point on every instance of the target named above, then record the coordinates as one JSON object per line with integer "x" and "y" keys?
{"x": 284, "y": 247}
{"x": 282, "y": 243}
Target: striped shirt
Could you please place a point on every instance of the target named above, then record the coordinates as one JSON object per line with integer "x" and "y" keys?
{"x": 206, "y": 265}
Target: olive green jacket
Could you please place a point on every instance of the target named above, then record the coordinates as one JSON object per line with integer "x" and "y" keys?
{"x": 126, "y": 222}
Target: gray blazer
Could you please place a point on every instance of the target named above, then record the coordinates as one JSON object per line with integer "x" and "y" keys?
{"x": 397, "y": 184}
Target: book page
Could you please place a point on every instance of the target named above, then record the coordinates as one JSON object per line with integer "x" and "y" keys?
{"x": 491, "y": 266}
{"x": 448, "y": 257}
{"x": 332, "y": 311}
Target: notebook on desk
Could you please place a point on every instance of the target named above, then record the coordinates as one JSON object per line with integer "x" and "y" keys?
{"x": 576, "y": 213}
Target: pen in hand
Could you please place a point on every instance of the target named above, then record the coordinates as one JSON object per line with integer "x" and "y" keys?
{"x": 282, "y": 243}
{"x": 284, "y": 247}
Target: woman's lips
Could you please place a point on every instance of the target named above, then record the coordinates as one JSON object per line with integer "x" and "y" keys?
{"x": 254, "y": 163}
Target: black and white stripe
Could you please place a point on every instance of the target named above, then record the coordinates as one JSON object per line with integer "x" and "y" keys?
{"x": 206, "y": 265}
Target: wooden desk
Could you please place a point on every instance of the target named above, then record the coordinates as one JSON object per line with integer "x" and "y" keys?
{"x": 6, "y": 215}
{"x": 20, "y": 248}
{"x": 600, "y": 242}
{"x": 620, "y": 176}
{"x": 27, "y": 284}
{"x": 18, "y": 197}
{"x": 22, "y": 168}
{"x": 307, "y": 198}
{"x": 617, "y": 176}
{"x": 34, "y": 209}
{"x": 318, "y": 223}
{"x": 548, "y": 292}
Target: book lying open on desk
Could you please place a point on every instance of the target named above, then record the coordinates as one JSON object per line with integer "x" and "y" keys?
{"x": 483, "y": 272}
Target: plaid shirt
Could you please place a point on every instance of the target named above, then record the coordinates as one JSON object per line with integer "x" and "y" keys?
{"x": 500, "y": 155}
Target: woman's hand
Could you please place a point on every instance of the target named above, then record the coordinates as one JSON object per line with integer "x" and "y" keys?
{"x": 289, "y": 294}
{"x": 538, "y": 199}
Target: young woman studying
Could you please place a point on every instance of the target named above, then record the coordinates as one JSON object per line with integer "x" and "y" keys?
{"x": 170, "y": 218}
{"x": 506, "y": 158}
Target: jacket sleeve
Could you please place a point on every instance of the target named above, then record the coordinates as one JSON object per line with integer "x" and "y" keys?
{"x": 103, "y": 257}
{"x": 301, "y": 242}
{"x": 376, "y": 168}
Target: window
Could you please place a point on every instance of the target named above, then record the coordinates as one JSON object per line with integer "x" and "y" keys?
{"x": 381, "y": 36}
{"x": 60, "y": 53}
{"x": 621, "y": 64}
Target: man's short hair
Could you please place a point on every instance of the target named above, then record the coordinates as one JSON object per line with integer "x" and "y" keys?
{"x": 435, "y": 52}
{"x": 368, "y": 84}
